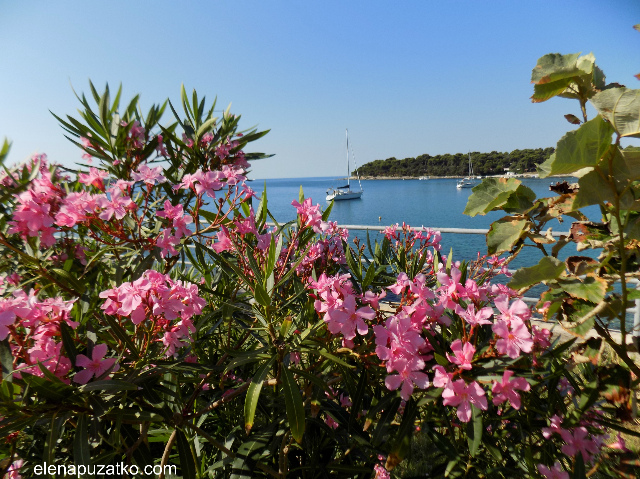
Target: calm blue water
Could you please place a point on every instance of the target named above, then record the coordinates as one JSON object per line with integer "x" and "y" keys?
{"x": 435, "y": 203}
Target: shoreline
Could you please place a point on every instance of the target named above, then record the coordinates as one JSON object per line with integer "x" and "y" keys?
{"x": 521, "y": 175}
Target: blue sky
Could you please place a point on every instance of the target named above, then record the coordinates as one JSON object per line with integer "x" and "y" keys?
{"x": 406, "y": 78}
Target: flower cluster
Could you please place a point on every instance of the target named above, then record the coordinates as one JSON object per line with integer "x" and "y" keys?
{"x": 37, "y": 206}
{"x": 155, "y": 300}
{"x": 34, "y": 330}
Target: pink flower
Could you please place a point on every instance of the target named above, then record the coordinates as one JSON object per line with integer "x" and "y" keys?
{"x": 580, "y": 441}
{"x": 407, "y": 376}
{"x": 346, "y": 319}
{"x": 208, "y": 183}
{"x": 474, "y": 317}
{"x": 517, "y": 310}
{"x": 442, "y": 378}
{"x": 506, "y": 390}
{"x": 7, "y": 318}
{"x": 117, "y": 205}
{"x": 309, "y": 214}
{"x": 458, "y": 394}
{"x": 95, "y": 177}
{"x": 514, "y": 338}
{"x": 150, "y": 176}
{"x": 96, "y": 366}
{"x": 554, "y": 472}
{"x": 167, "y": 243}
{"x": 619, "y": 444}
{"x": 462, "y": 355}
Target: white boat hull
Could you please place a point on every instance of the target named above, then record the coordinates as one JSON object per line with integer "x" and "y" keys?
{"x": 347, "y": 195}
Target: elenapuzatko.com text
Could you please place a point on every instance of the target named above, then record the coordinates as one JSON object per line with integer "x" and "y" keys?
{"x": 98, "y": 470}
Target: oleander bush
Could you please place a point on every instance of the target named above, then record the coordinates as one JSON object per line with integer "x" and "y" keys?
{"x": 154, "y": 313}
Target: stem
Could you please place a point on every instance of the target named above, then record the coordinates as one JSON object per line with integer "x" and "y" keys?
{"x": 167, "y": 451}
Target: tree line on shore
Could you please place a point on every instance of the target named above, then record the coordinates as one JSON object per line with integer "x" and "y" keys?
{"x": 494, "y": 163}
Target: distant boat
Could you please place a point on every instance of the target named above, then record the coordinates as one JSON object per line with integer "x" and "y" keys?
{"x": 424, "y": 178}
{"x": 469, "y": 181}
{"x": 345, "y": 192}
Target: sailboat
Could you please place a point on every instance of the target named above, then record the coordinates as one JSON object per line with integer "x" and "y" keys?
{"x": 469, "y": 181}
{"x": 345, "y": 192}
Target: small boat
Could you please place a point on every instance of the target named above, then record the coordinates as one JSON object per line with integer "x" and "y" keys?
{"x": 424, "y": 178}
{"x": 345, "y": 192}
{"x": 469, "y": 181}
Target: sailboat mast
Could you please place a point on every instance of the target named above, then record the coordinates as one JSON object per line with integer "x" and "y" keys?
{"x": 348, "y": 171}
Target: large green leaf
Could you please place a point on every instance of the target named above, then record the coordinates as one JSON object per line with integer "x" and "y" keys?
{"x": 589, "y": 289}
{"x": 579, "y": 148}
{"x": 491, "y": 193}
{"x": 81, "y": 447}
{"x": 548, "y": 268}
{"x": 554, "y": 66}
{"x": 621, "y": 106}
{"x": 187, "y": 463}
{"x": 504, "y": 234}
{"x": 294, "y": 404}
{"x": 253, "y": 393}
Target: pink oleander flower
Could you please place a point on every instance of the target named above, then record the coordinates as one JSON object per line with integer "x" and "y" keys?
{"x": 514, "y": 338}
{"x": 14, "y": 470}
{"x": 473, "y": 317}
{"x": 7, "y": 318}
{"x": 409, "y": 376}
{"x": 462, "y": 355}
{"x": 580, "y": 441}
{"x": 381, "y": 472}
{"x": 117, "y": 205}
{"x": 390, "y": 232}
{"x": 224, "y": 242}
{"x": 167, "y": 243}
{"x": 554, "y": 472}
{"x": 208, "y": 183}
{"x": 506, "y": 390}
{"x": 451, "y": 290}
{"x": 95, "y": 177}
{"x": 554, "y": 427}
{"x": 347, "y": 319}
{"x": 187, "y": 183}
{"x": 441, "y": 378}
{"x": 96, "y": 366}
{"x": 517, "y": 310}
{"x": 309, "y": 214}
{"x": 150, "y": 176}
{"x": 461, "y": 395}
{"x": 619, "y": 444}
{"x": 402, "y": 282}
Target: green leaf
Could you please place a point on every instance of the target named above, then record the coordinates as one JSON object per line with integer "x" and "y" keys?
{"x": 81, "y": 447}
{"x": 253, "y": 394}
{"x": 68, "y": 279}
{"x": 548, "y": 268}
{"x": 187, "y": 463}
{"x": 590, "y": 289}
{"x": 6, "y": 360}
{"x": 490, "y": 194}
{"x": 554, "y": 66}
{"x": 545, "y": 91}
{"x": 474, "y": 431}
{"x": 505, "y": 233}
{"x": 294, "y": 404}
{"x": 579, "y": 148}
{"x": 111, "y": 385}
{"x": 261, "y": 295}
{"x": 621, "y": 106}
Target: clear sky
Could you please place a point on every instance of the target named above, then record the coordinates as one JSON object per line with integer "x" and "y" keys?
{"x": 406, "y": 77}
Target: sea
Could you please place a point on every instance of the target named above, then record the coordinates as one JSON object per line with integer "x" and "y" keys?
{"x": 434, "y": 203}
